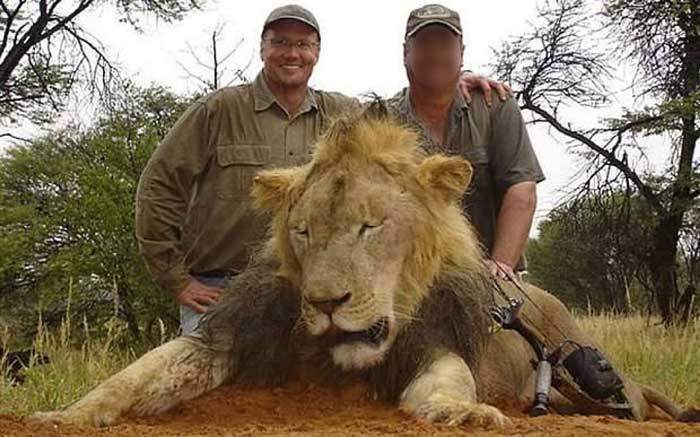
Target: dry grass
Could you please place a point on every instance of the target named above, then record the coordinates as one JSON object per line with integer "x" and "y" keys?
{"x": 74, "y": 368}
{"x": 665, "y": 359}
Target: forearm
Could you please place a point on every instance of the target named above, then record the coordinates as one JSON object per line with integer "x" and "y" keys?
{"x": 170, "y": 278}
{"x": 514, "y": 222}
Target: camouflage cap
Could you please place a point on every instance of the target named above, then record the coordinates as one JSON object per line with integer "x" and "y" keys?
{"x": 293, "y": 12}
{"x": 432, "y": 14}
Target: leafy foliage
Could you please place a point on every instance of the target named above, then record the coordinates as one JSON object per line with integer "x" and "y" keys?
{"x": 67, "y": 218}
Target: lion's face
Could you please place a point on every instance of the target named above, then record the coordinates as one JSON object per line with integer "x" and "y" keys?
{"x": 359, "y": 231}
{"x": 350, "y": 232}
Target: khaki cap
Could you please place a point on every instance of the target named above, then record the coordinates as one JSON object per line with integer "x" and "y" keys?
{"x": 432, "y": 14}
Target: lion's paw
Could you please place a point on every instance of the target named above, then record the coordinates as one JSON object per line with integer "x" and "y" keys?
{"x": 458, "y": 412}
{"x": 73, "y": 417}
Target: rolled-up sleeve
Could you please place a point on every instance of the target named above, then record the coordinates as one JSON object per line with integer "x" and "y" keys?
{"x": 163, "y": 194}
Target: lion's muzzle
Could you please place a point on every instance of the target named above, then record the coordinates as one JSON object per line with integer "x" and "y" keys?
{"x": 373, "y": 336}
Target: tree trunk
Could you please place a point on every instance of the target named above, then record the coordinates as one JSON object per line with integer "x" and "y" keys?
{"x": 662, "y": 265}
{"x": 628, "y": 297}
{"x": 126, "y": 309}
{"x": 663, "y": 258}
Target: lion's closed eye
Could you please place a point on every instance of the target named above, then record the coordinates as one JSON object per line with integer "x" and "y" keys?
{"x": 300, "y": 232}
{"x": 370, "y": 228}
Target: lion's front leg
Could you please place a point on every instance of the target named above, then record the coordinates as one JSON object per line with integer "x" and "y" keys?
{"x": 169, "y": 374}
{"x": 446, "y": 392}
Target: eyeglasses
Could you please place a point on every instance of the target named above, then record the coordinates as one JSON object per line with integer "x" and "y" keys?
{"x": 282, "y": 43}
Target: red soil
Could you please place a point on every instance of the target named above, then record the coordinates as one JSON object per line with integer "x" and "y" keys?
{"x": 308, "y": 410}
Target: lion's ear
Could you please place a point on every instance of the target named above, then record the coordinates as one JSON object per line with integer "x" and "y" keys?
{"x": 272, "y": 188}
{"x": 447, "y": 177}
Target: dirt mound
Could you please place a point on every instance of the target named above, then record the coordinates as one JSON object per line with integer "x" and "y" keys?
{"x": 309, "y": 410}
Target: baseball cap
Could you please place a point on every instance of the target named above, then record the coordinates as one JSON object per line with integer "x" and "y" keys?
{"x": 432, "y": 14}
{"x": 293, "y": 12}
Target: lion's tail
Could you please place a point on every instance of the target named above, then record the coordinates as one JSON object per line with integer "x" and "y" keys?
{"x": 661, "y": 401}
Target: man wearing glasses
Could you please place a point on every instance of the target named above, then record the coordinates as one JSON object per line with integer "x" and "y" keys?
{"x": 194, "y": 221}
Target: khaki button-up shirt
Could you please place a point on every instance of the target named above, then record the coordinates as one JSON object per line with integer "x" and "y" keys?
{"x": 193, "y": 210}
{"x": 496, "y": 143}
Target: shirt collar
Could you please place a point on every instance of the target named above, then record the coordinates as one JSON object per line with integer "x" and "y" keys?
{"x": 458, "y": 110}
{"x": 264, "y": 98}
{"x": 459, "y": 105}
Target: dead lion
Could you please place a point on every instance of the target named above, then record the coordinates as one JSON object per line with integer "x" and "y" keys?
{"x": 372, "y": 272}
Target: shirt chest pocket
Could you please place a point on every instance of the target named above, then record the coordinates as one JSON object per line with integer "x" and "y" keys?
{"x": 237, "y": 165}
{"x": 479, "y": 159}
{"x": 476, "y": 154}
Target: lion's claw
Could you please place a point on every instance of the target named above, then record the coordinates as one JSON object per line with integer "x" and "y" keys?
{"x": 456, "y": 412}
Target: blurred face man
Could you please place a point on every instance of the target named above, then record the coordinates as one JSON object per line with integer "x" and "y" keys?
{"x": 289, "y": 51}
{"x": 433, "y": 58}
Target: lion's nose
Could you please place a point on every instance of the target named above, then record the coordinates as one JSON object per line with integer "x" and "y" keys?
{"x": 327, "y": 306}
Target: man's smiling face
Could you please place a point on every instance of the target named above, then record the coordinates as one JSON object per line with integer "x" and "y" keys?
{"x": 289, "y": 66}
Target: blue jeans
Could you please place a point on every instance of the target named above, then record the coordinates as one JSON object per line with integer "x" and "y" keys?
{"x": 189, "y": 318}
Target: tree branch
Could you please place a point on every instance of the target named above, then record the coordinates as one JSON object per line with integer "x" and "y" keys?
{"x": 646, "y": 191}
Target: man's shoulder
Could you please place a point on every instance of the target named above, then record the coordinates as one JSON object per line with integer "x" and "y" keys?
{"x": 335, "y": 103}
{"x": 332, "y": 95}
{"x": 478, "y": 103}
{"x": 398, "y": 104}
{"x": 230, "y": 95}
{"x": 504, "y": 113}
